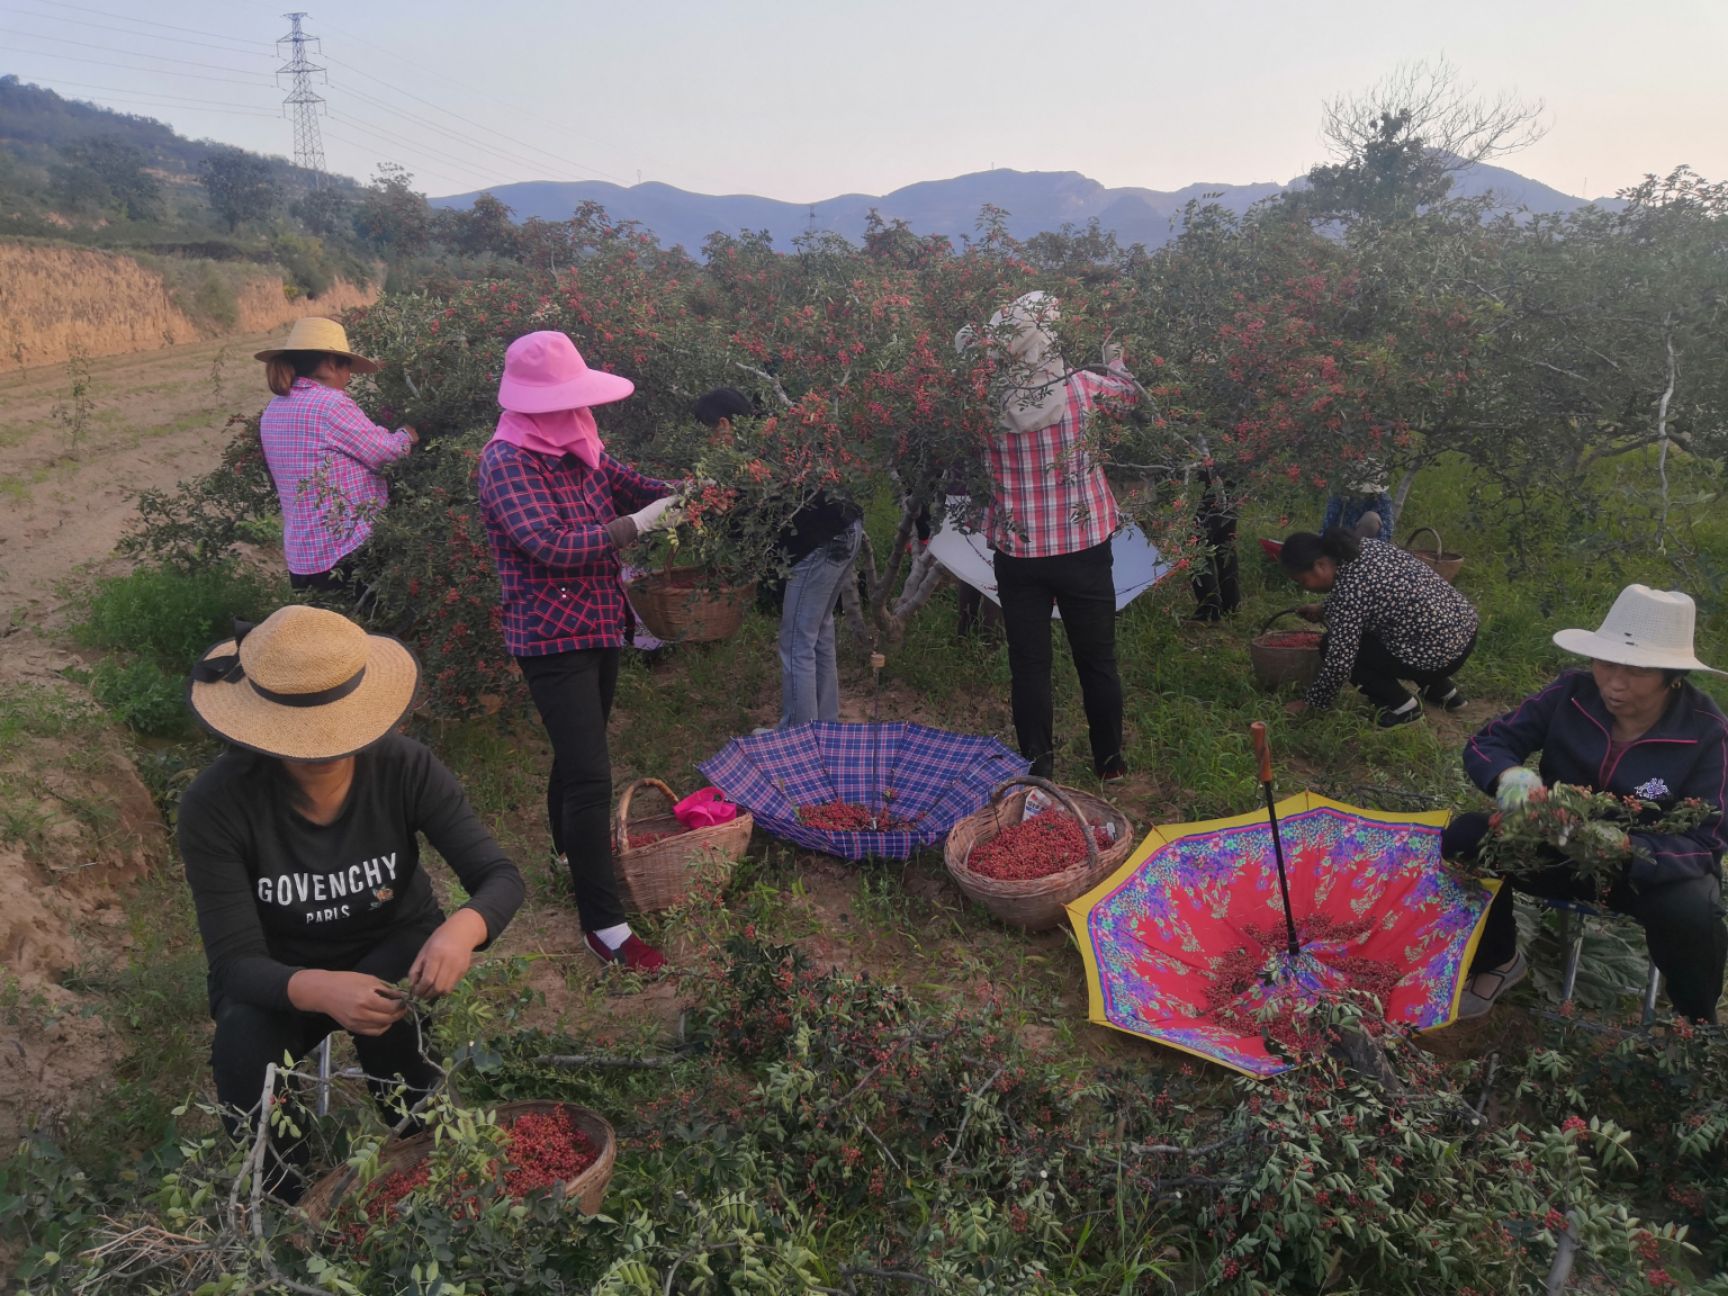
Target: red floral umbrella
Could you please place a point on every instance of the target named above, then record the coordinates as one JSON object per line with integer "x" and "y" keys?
{"x": 1191, "y": 944}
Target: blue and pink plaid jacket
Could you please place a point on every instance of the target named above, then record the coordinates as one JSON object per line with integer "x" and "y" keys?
{"x": 546, "y": 520}
{"x": 325, "y": 456}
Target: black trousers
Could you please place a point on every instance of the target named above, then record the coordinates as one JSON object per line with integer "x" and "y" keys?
{"x": 249, "y": 1038}
{"x": 1217, "y": 586}
{"x": 1081, "y": 586}
{"x": 573, "y": 692}
{"x": 1682, "y": 921}
{"x": 1378, "y": 673}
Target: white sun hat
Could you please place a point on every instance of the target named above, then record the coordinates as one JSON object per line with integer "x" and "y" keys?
{"x": 1645, "y": 627}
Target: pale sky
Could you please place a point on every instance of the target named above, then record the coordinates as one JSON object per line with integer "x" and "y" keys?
{"x": 802, "y": 101}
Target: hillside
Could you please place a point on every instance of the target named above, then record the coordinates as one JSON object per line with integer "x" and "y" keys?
{"x": 1034, "y": 200}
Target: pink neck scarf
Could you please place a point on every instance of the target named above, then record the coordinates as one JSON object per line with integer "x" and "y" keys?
{"x": 561, "y": 433}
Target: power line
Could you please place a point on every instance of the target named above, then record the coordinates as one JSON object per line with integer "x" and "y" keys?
{"x": 151, "y": 22}
{"x": 469, "y": 121}
{"x": 109, "y": 49}
{"x": 133, "y": 67}
{"x": 138, "y": 35}
{"x": 483, "y": 147}
{"x": 186, "y": 101}
{"x": 364, "y": 148}
{"x": 402, "y": 142}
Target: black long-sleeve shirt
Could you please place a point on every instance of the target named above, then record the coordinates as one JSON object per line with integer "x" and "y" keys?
{"x": 1402, "y": 602}
{"x": 277, "y": 893}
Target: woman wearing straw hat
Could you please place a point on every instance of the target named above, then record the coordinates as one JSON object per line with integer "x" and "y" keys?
{"x": 302, "y": 849}
{"x": 1633, "y": 725}
{"x": 325, "y": 456}
{"x": 558, "y": 510}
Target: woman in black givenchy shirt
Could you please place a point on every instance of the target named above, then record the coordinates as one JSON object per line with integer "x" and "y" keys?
{"x": 302, "y": 849}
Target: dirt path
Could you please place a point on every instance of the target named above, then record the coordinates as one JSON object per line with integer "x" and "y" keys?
{"x": 147, "y": 420}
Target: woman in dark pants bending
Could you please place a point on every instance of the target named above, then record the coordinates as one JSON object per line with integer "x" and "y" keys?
{"x": 1389, "y": 617}
{"x": 302, "y": 849}
{"x": 558, "y": 510}
{"x": 1635, "y": 726}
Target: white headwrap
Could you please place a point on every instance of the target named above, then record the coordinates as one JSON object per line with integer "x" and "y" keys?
{"x": 1033, "y": 388}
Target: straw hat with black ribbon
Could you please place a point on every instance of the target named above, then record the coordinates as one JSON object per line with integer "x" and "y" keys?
{"x": 313, "y": 334}
{"x": 303, "y": 684}
{"x": 1645, "y": 627}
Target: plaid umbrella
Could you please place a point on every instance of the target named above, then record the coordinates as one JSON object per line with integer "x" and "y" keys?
{"x": 929, "y": 778}
{"x": 1186, "y": 943}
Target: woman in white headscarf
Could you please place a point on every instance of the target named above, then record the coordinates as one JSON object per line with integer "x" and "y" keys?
{"x": 1050, "y": 520}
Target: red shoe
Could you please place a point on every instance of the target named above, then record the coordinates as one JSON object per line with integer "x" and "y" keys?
{"x": 635, "y": 954}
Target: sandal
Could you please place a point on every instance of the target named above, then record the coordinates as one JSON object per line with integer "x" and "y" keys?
{"x": 1471, "y": 1004}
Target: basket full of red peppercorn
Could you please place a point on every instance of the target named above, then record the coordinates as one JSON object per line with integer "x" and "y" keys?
{"x": 1024, "y": 869}
{"x": 690, "y": 604}
{"x": 547, "y": 1145}
{"x": 1284, "y": 656}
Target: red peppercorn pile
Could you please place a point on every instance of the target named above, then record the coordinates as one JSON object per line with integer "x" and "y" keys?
{"x": 1240, "y": 985}
{"x": 844, "y": 816}
{"x": 1038, "y": 847}
{"x": 1309, "y": 639}
{"x": 541, "y": 1150}
{"x": 648, "y": 837}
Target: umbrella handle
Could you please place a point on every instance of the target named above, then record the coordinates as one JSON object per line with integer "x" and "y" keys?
{"x": 624, "y": 807}
{"x": 1067, "y": 803}
{"x": 1262, "y": 750}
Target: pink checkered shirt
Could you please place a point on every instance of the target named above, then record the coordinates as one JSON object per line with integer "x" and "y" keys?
{"x": 1050, "y": 495}
{"x": 324, "y": 456}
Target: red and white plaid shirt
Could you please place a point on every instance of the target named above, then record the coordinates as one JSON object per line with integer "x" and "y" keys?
{"x": 325, "y": 455}
{"x": 1050, "y": 494}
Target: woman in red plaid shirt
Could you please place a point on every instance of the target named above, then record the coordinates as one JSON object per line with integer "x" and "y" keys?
{"x": 1050, "y": 523}
{"x": 558, "y": 509}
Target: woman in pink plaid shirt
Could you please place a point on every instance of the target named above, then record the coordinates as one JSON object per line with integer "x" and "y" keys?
{"x": 1050, "y": 521}
{"x": 325, "y": 455}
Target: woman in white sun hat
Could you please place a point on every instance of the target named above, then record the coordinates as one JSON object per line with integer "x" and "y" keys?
{"x": 302, "y": 849}
{"x": 326, "y": 457}
{"x": 1634, "y": 725}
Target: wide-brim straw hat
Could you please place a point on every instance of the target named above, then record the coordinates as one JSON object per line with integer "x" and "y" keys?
{"x": 1645, "y": 627}
{"x": 314, "y": 334}
{"x": 303, "y": 684}
{"x": 544, "y": 373}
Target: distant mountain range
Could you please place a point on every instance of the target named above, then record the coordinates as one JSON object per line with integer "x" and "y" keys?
{"x": 1034, "y": 200}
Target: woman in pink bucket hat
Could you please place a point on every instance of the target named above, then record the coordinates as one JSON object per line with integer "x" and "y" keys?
{"x": 558, "y": 511}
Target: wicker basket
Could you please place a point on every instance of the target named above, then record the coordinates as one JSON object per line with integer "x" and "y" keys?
{"x": 659, "y": 875}
{"x": 1034, "y": 903}
{"x": 1446, "y": 564}
{"x": 684, "y": 606}
{"x": 586, "y": 1189}
{"x": 1276, "y": 665}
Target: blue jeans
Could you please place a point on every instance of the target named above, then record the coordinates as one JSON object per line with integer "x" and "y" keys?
{"x": 809, "y": 670}
{"x": 1347, "y": 510}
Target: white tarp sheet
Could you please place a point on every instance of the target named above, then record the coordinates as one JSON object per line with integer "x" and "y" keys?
{"x": 966, "y": 557}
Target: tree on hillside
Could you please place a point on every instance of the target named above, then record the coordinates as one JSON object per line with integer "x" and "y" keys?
{"x": 326, "y": 212}
{"x": 393, "y": 216}
{"x": 107, "y": 175}
{"x": 1398, "y": 144}
{"x": 486, "y": 227}
{"x": 241, "y": 186}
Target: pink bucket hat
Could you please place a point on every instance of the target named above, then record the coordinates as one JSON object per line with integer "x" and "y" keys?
{"x": 545, "y": 373}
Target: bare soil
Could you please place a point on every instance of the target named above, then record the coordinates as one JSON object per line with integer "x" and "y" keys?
{"x": 67, "y": 481}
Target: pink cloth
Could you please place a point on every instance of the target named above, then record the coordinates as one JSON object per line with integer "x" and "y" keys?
{"x": 571, "y": 431}
{"x": 705, "y": 808}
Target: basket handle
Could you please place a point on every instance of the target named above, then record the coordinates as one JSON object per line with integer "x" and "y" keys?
{"x": 1062, "y": 798}
{"x": 624, "y": 806}
{"x": 1439, "y": 544}
{"x": 1267, "y": 624}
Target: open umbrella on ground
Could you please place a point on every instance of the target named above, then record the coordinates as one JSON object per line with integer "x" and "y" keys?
{"x": 1187, "y": 944}
{"x": 912, "y": 783}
